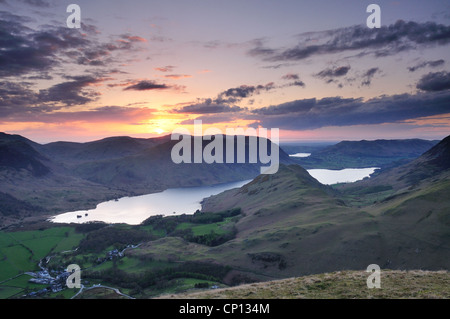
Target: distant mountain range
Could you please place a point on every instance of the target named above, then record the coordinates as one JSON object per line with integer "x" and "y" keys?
{"x": 65, "y": 176}
{"x": 358, "y": 154}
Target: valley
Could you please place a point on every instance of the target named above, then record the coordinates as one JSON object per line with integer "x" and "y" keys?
{"x": 284, "y": 225}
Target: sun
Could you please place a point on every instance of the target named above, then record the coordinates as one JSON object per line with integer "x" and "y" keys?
{"x": 159, "y": 130}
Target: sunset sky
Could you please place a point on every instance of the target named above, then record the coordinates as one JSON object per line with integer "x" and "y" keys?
{"x": 142, "y": 68}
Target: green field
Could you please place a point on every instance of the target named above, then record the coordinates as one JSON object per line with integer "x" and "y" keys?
{"x": 204, "y": 229}
{"x": 21, "y": 252}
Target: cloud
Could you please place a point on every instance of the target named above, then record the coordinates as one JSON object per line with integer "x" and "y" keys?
{"x": 35, "y": 3}
{"x": 15, "y": 98}
{"x": 290, "y": 76}
{"x": 167, "y": 68}
{"x": 432, "y": 64}
{"x": 146, "y": 85}
{"x": 19, "y": 97}
{"x": 236, "y": 94}
{"x": 71, "y": 92}
{"x": 296, "y": 83}
{"x": 313, "y": 113}
{"x": 225, "y": 100}
{"x": 438, "y": 81}
{"x": 104, "y": 114}
{"x": 25, "y": 50}
{"x": 208, "y": 106}
{"x": 384, "y": 41}
{"x": 336, "y": 111}
{"x": 177, "y": 76}
{"x": 332, "y": 73}
{"x": 212, "y": 119}
{"x": 133, "y": 38}
{"x": 298, "y": 106}
{"x": 368, "y": 75}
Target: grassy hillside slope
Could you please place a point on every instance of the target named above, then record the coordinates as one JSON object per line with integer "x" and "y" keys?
{"x": 395, "y": 284}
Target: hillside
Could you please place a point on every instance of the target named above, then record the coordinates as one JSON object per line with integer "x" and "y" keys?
{"x": 153, "y": 169}
{"x": 19, "y": 153}
{"x": 292, "y": 225}
{"x": 359, "y": 154}
{"x": 395, "y": 284}
{"x": 65, "y": 176}
{"x": 304, "y": 228}
{"x": 279, "y": 226}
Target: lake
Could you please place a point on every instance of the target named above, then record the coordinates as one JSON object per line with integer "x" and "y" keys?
{"x": 177, "y": 201}
{"x": 134, "y": 210}
{"x": 347, "y": 175}
{"x": 300, "y": 155}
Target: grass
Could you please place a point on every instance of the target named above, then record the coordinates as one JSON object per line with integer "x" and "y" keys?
{"x": 21, "y": 251}
{"x": 18, "y": 260}
{"x": 17, "y": 286}
{"x": 7, "y": 292}
{"x": 414, "y": 284}
{"x": 204, "y": 229}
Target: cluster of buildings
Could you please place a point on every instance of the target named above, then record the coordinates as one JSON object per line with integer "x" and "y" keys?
{"x": 53, "y": 283}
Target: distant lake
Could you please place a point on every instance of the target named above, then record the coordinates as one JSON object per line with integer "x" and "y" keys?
{"x": 347, "y": 175}
{"x": 134, "y": 210}
{"x": 300, "y": 155}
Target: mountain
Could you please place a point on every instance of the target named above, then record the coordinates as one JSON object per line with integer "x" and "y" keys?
{"x": 18, "y": 153}
{"x": 65, "y": 176}
{"x": 358, "y": 154}
{"x": 432, "y": 164}
{"x": 294, "y": 226}
{"x": 153, "y": 169}
{"x": 107, "y": 148}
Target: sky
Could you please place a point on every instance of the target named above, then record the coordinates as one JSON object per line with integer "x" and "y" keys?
{"x": 143, "y": 68}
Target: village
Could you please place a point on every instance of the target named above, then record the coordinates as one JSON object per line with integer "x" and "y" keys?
{"x": 56, "y": 280}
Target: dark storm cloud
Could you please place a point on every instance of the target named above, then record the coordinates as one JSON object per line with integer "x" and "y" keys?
{"x": 432, "y": 64}
{"x": 146, "y": 86}
{"x": 438, "y": 81}
{"x": 387, "y": 40}
{"x": 336, "y": 111}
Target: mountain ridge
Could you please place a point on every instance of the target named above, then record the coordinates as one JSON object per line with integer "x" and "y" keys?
{"x": 64, "y": 176}
{"x": 314, "y": 231}
{"x": 365, "y": 153}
